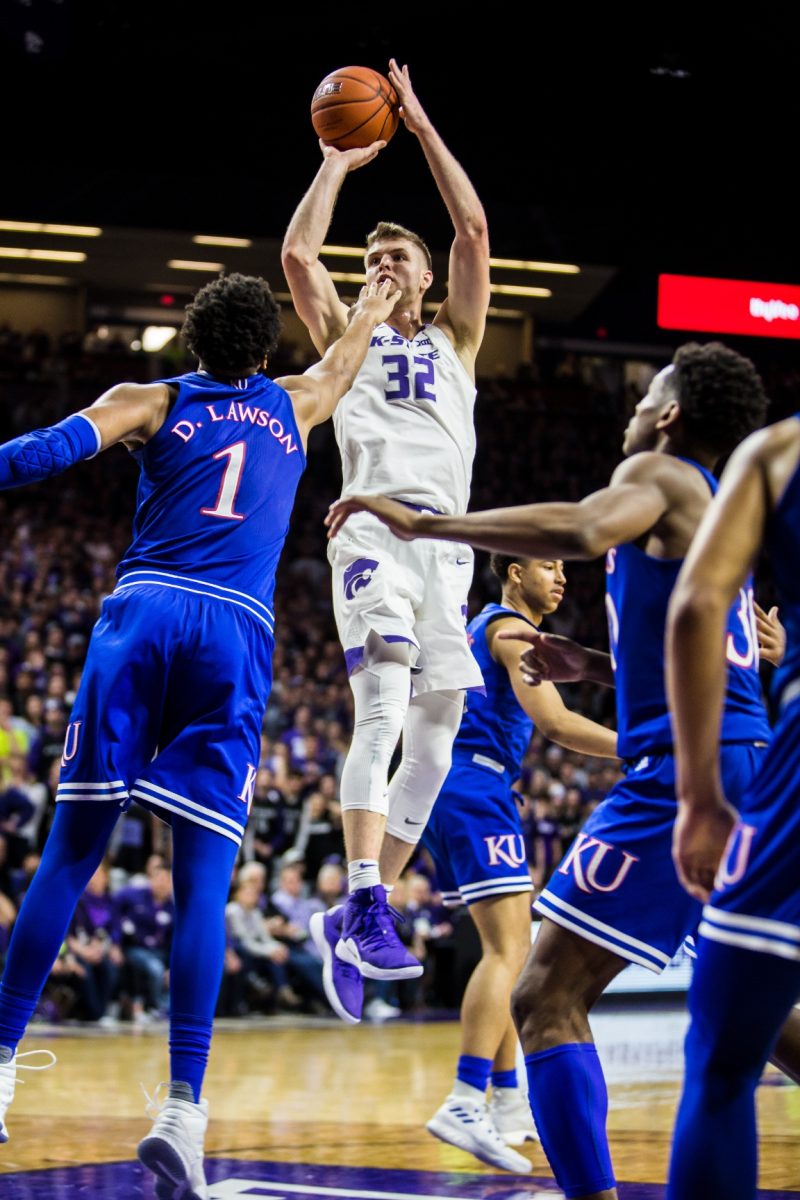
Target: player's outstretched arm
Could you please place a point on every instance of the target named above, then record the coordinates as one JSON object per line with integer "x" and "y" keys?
{"x": 316, "y": 393}
{"x": 719, "y": 559}
{"x": 127, "y": 412}
{"x": 313, "y": 291}
{"x": 463, "y": 314}
{"x": 638, "y": 496}
{"x": 544, "y": 705}
{"x": 551, "y": 658}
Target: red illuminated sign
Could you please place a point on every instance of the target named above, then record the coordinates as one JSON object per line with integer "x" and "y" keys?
{"x": 728, "y": 306}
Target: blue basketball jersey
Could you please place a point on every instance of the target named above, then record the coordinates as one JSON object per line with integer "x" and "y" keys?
{"x": 638, "y": 589}
{"x": 756, "y": 906}
{"x": 217, "y": 486}
{"x": 782, "y": 542}
{"x": 494, "y": 724}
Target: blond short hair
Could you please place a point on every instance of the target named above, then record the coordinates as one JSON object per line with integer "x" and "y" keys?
{"x": 385, "y": 230}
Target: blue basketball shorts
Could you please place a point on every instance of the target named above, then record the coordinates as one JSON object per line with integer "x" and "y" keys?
{"x": 756, "y": 904}
{"x": 474, "y": 835}
{"x": 170, "y": 707}
{"x": 617, "y": 885}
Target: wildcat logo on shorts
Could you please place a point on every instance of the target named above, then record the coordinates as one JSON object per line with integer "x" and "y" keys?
{"x": 587, "y": 869}
{"x": 508, "y": 848}
{"x": 358, "y": 576}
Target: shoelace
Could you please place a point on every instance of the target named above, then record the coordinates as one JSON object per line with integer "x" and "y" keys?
{"x": 155, "y": 1103}
{"x": 23, "y": 1066}
{"x": 381, "y": 907}
{"x": 483, "y": 1119}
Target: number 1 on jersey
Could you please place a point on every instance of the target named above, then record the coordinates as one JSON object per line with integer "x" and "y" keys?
{"x": 232, "y": 477}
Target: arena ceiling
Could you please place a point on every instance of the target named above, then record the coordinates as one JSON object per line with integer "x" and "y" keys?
{"x": 591, "y": 139}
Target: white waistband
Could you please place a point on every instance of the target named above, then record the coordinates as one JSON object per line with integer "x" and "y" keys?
{"x": 483, "y": 761}
{"x": 200, "y": 587}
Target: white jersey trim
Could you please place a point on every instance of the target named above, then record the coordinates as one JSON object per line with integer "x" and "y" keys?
{"x": 94, "y": 787}
{"x": 189, "y": 816}
{"x": 749, "y": 941}
{"x": 193, "y": 805}
{"x": 469, "y": 887}
{"x": 181, "y": 587}
{"x": 601, "y": 927}
{"x": 517, "y": 888}
{"x": 205, "y": 582}
{"x": 782, "y": 929}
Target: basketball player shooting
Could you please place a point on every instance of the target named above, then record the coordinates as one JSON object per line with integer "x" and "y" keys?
{"x": 405, "y": 428}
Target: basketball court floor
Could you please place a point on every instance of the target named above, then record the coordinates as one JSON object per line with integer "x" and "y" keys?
{"x": 304, "y": 1109}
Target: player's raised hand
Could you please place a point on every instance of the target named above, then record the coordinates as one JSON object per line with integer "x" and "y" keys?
{"x": 411, "y": 111}
{"x": 549, "y": 657}
{"x": 771, "y": 635}
{"x": 699, "y": 838}
{"x": 351, "y": 160}
{"x": 376, "y": 300}
{"x": 401, "y": 519}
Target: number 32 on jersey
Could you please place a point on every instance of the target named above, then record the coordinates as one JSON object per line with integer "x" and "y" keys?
{"x": 402, "y": 384}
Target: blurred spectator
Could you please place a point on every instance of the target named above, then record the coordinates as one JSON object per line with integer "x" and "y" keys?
{"x": 320, "y": 835}
{"x": 265, "y": 959}
{"x": 23, "y": 802}
{"x": 331, "y": 885}
{"x": 94, "y": 941}
{"x": 146, "y": 917}
{"x": 13, "y": 737}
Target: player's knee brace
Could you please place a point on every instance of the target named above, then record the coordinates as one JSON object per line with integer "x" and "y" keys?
{"x": 430, "y": 728}
{"x": 48, "y": 451}
{"x": 381, "y": 694}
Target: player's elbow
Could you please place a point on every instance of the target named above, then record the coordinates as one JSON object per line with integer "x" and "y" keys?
{"x": 550, "y": 727}
{"x": 585, "y": 540}
{"x": 694, "y": 603}
{"x": 296, "y": 257}
{"x": 474, "y": 232}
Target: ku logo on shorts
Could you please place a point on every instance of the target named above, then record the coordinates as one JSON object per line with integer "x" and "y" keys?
{"x": 358, "y": 575}
{"x": 505, "y": 849}
{"x": 71, "y": 742}
{"x": 248, "y": 791}
{"x": 600, "y": 868}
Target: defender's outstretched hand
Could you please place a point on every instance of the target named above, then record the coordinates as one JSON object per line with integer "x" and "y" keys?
{"x": 376, "y": 301}
{"x": 398, "y": 517}
{"x": 550, "y": 658}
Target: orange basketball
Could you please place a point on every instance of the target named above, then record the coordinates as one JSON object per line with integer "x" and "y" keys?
{"x": 354, "y": 106}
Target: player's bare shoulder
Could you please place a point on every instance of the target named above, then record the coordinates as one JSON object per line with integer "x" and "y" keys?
{"x": 775, "y": 452}
{"x": 677, "y": 478}
{"x": 132, "y": 413}
{"x": 502, "y": 650}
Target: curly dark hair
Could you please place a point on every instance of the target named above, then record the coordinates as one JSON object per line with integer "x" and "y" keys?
{"x": 499, "y": 564}
{"x": 720, "y": 394}
{"x": 233, "y": 324}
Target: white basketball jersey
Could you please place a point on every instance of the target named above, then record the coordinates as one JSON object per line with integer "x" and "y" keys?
{"x": 405, "y": 428}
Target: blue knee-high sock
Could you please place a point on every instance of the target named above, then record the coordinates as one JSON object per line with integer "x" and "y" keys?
{"x": 474, "y": 1071}
{"x": 201, "y": 872}
{"x": 738, "y": 1001}
{"x": 72, "y": 854}
{"x": 569, "y": 1101}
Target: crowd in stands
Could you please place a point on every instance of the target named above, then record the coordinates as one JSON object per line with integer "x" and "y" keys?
{"x": 537, "y": 440}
